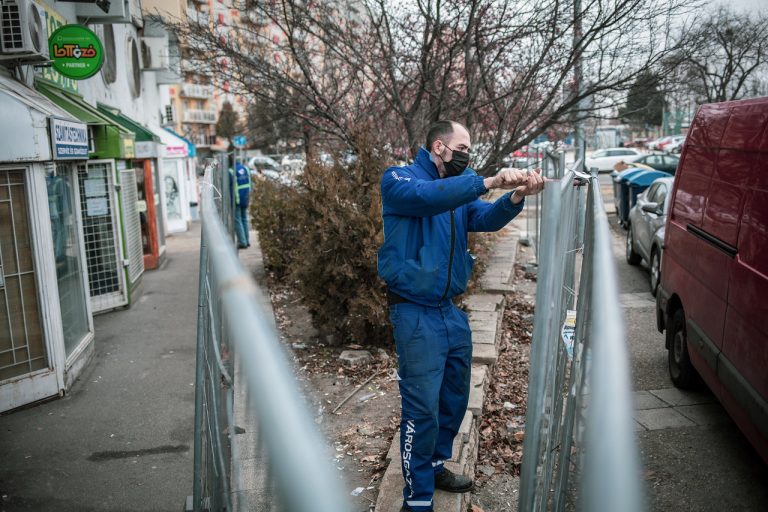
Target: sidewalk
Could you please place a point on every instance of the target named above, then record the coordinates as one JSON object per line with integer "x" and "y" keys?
{"x": 122, "y": 439}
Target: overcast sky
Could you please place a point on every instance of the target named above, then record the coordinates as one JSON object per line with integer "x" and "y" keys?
{"x": 749, "y": 5}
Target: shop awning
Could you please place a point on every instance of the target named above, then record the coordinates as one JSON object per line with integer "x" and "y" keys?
{"x": 190, "y": 146}
{"x": 143, "y": 134}
{"x": 147, "y": 143}
{"x": 173, "y": 146}
{"x": 26, "y": 135}
{"x": 111, "y": 139}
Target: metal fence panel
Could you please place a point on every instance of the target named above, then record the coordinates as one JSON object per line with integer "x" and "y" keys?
{"x": 233, "y": 326}
{"x": 566, "y": 424}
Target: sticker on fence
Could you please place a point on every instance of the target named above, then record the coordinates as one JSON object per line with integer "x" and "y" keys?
{"x": 568, "y": 332}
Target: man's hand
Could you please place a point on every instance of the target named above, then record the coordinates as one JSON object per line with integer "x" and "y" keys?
{"x": 507, "y": 179}
{"x": 534, "y": 184}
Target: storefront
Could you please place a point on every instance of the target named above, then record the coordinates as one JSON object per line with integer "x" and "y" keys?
{"x": 108, "y": 204}
{"x": 46, "y": 325}
{"x": 193, "y": 173}
{"x": 174, "y": 174}
{"x": 145, "y": 168}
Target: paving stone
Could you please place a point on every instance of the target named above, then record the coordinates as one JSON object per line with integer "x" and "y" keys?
{"x": 355, "y": 357}
{"x": 638, "y": 427}
{"x": 477, "y": 389}
{"x": 705, "y": 414}
{"x": 674, "y": 396}
{"x": 657, "y": 419}
{"x": 484, "y": 302}
{"x": 445, "y": 502}
{"x": 394, "y": 448}
{"x": 466, "y": 426}
{"x": 484, "y": 317}
{"x": 482, "y": 326}
{"x": 390, "y": 497}
{"x": 495, "y": 286}
{"x": 645, "y": 400}
{"x": 484, "y": 337}
{"x": 637, "y": 300}
{"x": 484, "y": 354}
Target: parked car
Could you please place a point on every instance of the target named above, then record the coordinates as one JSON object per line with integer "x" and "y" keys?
{"x": 646, "y": 218}
{"x": 668, "y": 142}
{"x": 293, "y": 163}
{"x": 654, "y": 144}
{"x": 712, "y": 301}
{"x": 676, "y": 146}
{"x": 605, "y": 159}
{"x": 262, "y": 163}
{"x": 666, "y": 163}
{"x": 638, "y": 142}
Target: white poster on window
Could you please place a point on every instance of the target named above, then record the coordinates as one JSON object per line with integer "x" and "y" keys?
{"x": 96, "y": 206}
{"x": 95, "y": 188}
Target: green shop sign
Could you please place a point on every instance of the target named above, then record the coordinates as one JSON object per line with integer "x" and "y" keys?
{"x": 76, "y": 51}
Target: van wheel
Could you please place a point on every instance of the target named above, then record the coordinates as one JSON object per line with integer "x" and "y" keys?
{"x": 655, "y": 271}
{"x": 681, "y": 371}
{"x": 632, "y": 257}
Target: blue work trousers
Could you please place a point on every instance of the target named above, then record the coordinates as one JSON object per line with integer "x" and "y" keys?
{"x": 241, "y": 225}
{"x": 434, "y": 353}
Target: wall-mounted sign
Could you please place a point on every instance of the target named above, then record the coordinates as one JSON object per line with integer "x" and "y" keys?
{"x": 76, "y": 51}
{"x": 69, "y": 140}
{"x": 146, "y": 149}
{"x": 127, "y": 146}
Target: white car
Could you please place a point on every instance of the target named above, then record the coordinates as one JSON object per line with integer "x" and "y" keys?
{"x": 605, "y": 159}
{"x": 293, "y": 163}
{"x": 262, "y": 163}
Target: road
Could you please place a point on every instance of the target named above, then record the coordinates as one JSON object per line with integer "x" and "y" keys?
{"x": 694, "y": 457}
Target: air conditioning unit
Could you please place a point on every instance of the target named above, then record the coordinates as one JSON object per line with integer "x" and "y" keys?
{"x": 118, "y": 11}
{"x": 23, "y": 32}
{"x": 154, "y": 53}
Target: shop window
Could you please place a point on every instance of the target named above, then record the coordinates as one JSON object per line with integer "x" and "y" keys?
{"x": 22, "y": 348}
{"x": 62, "y": 207}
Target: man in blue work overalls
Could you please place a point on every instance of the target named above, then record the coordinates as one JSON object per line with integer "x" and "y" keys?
{"x": 429, "y": 207}
{"x": 242, "y": 189}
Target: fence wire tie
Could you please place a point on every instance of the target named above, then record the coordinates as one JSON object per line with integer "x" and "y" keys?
{"x": 209, "y": 184}
{"x": 569, "y": 290}
{"x": 578, "y": 249}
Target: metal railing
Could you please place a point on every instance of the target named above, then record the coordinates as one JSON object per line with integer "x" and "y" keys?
{"x": 238, "y": 353}
{"x": 579, "y": 450}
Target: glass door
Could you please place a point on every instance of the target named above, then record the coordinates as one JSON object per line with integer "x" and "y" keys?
{"x": 175, "y": 195}
{"x": 73, "y": 298}
{"x": 101, "y": 234}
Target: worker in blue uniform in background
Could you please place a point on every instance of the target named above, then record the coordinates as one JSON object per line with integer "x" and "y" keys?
{"x": 241, "y": 185}
{"x": 429, "y": 207}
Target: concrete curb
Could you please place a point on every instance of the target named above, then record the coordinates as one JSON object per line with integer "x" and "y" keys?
{"x": 486, "y": 310}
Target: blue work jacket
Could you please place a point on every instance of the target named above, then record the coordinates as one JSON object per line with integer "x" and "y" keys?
{"x": 425, "y": 257}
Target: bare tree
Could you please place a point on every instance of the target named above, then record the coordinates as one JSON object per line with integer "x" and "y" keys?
{"x": 724, "y": 56}
{"x": 505, "y": 68}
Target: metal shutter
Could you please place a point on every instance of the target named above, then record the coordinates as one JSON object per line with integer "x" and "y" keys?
{"x": 129, "y": 200}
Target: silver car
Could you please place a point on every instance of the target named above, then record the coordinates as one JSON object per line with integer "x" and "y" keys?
{"x": 645, "y": 236}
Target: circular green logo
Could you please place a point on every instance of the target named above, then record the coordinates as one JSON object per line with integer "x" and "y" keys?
{"x": 76, "y": 52}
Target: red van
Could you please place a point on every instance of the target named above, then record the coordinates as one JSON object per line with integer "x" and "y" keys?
{"x": 713, "y": 295}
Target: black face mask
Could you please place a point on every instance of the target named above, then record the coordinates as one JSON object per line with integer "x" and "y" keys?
{"x": 458, "y": 163}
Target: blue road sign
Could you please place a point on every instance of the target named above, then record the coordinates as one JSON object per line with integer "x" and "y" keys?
{"x": 239, "y": 141}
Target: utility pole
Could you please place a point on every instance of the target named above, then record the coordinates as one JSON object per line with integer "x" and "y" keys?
{"x": 579, "y": 143}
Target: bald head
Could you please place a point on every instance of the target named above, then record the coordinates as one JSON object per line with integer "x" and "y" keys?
{"x": 445, "y": 131}
{"x": 443, "y": 139}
